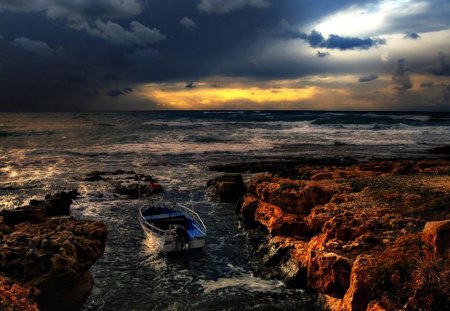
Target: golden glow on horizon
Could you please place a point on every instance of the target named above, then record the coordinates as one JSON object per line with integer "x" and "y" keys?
{"x": 218, "y": 97}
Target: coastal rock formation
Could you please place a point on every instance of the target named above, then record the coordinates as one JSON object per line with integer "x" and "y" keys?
{"x": 368, "y": 236}
{"x": 51, "y": 258}
{"x": 227, "y": 188}
{"x": 437, "y": 233}
{"x": 57, "y": 204}
{"x": 127, "y": 183}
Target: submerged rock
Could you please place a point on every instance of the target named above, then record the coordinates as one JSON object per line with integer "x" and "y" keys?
{"x": 127, "y": 183}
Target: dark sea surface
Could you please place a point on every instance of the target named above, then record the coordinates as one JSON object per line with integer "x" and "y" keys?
{"x": 42, "y": 153}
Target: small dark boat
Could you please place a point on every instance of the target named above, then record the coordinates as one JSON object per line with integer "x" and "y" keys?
{"x": 179, "y": 227}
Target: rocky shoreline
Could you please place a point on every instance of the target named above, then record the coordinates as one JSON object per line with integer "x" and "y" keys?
{"x": 365, "y": 235}
{"x": 46, "y": 254}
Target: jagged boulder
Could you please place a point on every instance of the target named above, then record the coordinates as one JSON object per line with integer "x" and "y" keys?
{"x": 246, "y": 209}
{"x": 437, "y": 233}
{"x": 127, "y": 183}
{"x": 329, "y": 273}
{"x": 227, "y": 188}
{"x": 294, "y": 196}
{"x": 57, "y": 204}
{"x": 54, "y": 256}
{"x": 359, "y": 293}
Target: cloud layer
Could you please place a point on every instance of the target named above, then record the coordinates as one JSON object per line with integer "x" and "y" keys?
{"x": 137, "y": 34}
{"x": 35, "y": 46}
{"x": 226, "y": 6}
{"x": 349, "y": 54}
{"x": 76, "y": 10}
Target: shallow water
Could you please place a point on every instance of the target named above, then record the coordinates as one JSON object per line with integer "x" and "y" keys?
{"x": 41, "y": 153}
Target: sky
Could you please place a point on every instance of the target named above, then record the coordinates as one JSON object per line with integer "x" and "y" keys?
{"x": 85, "y": 55}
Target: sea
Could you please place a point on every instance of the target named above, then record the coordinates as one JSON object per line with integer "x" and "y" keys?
{"x": 43, "y": 153}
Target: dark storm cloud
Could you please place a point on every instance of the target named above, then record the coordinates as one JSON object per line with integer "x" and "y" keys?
{"x": 75, "y": 10}
{"x": 226, "y": 6}
{"x": 443, "y": 67}
{"x": 322, "y": 54}
{"x": 35, "y": 46}
{"x": 412, "y": 36}
{"x": 138, "y": 34}
{"x": 119, "y": 92}
{"x": 317, "y": 40}
{"x": 401, "y": 76}
{"x": 350, "y": 43}
{"x": 368, "y": 78}
{"x": 79, "y": 51}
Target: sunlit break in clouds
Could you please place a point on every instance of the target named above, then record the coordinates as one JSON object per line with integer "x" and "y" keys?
{"x": 213, "y": 97}
{"x": 143, "y": 55}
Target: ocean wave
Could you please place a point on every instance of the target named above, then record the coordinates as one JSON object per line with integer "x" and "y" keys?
{"x": 208, "y": 138}
{"x": 180, "y": 147}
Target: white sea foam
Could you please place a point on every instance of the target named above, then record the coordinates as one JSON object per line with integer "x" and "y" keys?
{"x": 241, "y": 280}
{"x": 182, "y": 147}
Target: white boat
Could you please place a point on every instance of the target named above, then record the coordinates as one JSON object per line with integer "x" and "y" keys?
{"x": 178, "y": 227}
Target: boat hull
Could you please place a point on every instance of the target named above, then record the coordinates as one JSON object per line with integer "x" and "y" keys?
{"x": 168, "y": 240}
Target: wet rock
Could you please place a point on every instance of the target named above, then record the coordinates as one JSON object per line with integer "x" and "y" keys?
{"x": 350, "y": 232}
{"x": 57, "y": 204}
{"x": 247, "y": 209}
{"x": 289, "y": 257}
{"x": 53, "y": 256}
{"x": 227, "y": 188}
{"x": 44, "y": 250}
{"x": 127, "y": 183}
{"x": 437, "y": 233}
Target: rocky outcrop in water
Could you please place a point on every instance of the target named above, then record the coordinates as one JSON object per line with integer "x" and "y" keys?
{"x": 57, "y": 204}
{"x": 127, "y": 183}
{"x": 227, "y": 188}
{"x": 368, "y": 236}
{"x": 47, "y": 258}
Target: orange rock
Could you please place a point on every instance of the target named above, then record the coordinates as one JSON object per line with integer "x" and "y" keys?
{"x": 329, "y": 273}
{"x": 317, "y": 218}
{"x": 295, "y": 196}
{"x": 268, "y": 215}
{"x": 375, "y": 306}
{"x": 358, "y": 294}
{"x": 437, "y": 233}
{"x": 279, "y": 223}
